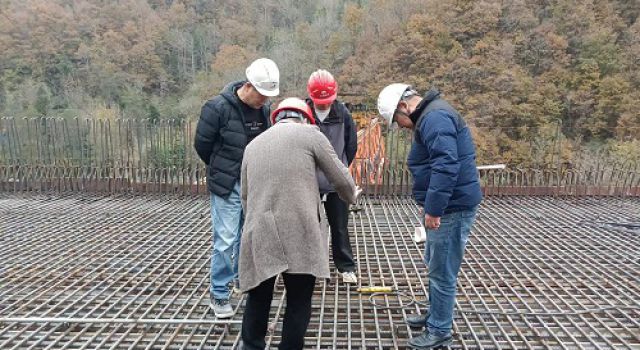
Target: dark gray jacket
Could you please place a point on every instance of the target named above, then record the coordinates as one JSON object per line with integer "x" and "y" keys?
{"x": 220, "y": 138}
{"x": 341, "y": 131}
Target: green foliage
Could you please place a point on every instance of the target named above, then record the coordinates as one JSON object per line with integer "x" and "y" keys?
{"x": 167, "y": 156}
{"x": 625, "y": 151}
{"x": 43, "y": 100}
{"x": 3, "y": 96}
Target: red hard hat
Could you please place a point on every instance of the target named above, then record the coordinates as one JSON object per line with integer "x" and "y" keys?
{"x": 293, "y": 104}
{"x": 322, "y": 87}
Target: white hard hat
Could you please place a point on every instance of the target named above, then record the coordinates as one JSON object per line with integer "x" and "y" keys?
{"x": 264, "y": 75}
{"x": 388, "y": 100}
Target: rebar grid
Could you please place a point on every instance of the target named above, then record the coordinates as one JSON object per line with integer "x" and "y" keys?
{"x": 89, "y": 272}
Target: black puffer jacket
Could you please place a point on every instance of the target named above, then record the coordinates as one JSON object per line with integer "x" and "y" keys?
{"x": 220, "y": 138}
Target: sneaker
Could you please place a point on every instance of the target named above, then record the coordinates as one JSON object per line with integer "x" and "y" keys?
{"x": 221, "y": 307}
{"x": 349, "y": 277}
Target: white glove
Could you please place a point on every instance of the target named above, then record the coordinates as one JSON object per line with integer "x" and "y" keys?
{"x": 420, "y": 235}
{"x": 358, "y": 192}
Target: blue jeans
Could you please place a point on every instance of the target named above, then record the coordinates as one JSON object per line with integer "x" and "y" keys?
{"x": 227, "y": 219}
{"x": 443, "y": 255}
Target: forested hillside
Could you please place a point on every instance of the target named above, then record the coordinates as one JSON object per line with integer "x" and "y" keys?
{"x": 534, "y": 78}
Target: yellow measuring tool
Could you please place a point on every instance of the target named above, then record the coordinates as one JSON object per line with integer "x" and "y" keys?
{"x": 375, "y": 290}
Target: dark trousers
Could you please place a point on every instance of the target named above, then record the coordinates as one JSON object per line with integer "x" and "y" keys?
{"x": 296, "y": 317}
{"x": 338, "y": 217}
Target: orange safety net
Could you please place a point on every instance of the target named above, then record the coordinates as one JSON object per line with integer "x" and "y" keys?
{"x": 366, "y": 168}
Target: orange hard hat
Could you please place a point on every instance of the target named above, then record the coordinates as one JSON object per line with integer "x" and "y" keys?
{"x": 293, "y": 104}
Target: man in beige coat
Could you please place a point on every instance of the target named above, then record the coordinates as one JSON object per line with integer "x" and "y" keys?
{"x": 282, "y": 232}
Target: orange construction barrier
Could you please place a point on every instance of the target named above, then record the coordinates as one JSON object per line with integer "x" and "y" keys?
{"x": 366, "y": 168}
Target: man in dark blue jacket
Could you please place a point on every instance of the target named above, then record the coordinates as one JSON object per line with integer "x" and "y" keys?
{"x": 446, "y": 185}
{"x": 336, "y": 123}
{"x": 228, "y": 122}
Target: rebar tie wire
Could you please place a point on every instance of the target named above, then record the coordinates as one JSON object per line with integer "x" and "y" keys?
{"x": 412, "y": 301}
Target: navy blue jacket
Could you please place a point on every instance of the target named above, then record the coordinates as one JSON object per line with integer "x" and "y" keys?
{"x": 221, "y": 138}
{"x": 442, "y": 159}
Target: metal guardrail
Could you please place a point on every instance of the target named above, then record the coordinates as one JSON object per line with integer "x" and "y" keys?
{"x": 146, "y": 156}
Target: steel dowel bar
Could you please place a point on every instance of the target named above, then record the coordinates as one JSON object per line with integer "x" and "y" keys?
{"x": 481, "y": 266}
{"x": 470, "y": 258}
{"x": 582, "y": 306}
{"x": 43, "y": 280}
{"x": 381, "y": 269}
{"x": 587, "y": 265}
{"x": 391, "y": 215}
{"x": 116, "y": 320}
{"x": 371, "y": 217}
{"x": 561, "y": 276}
{"x": 154, "y": 284}
{"x": 359, "y": 234}
{"x": 157, "y": 266}
{"x": 69, "y": 287}
{"x": 595, "y": 292}
{"x": 369, "y": 279}
{"x": 514, "y": 234}
{"x": 117, "y": 315}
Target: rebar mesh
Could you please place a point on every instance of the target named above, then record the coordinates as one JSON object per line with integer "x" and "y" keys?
{"x": 76, "y": 267}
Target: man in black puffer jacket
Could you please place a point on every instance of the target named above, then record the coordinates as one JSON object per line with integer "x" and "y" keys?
{"x": 228, "y": 122}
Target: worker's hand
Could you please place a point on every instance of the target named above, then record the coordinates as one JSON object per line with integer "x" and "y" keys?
{"x": 358, "y": 192}
{"x": 431, "y": 222}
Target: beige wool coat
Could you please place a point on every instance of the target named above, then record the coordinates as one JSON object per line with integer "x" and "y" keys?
{"x": 283, "y": 229}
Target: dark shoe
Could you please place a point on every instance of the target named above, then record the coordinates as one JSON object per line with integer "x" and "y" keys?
{"x": 426, "y": 341}
{"x": 417, "y": 321}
